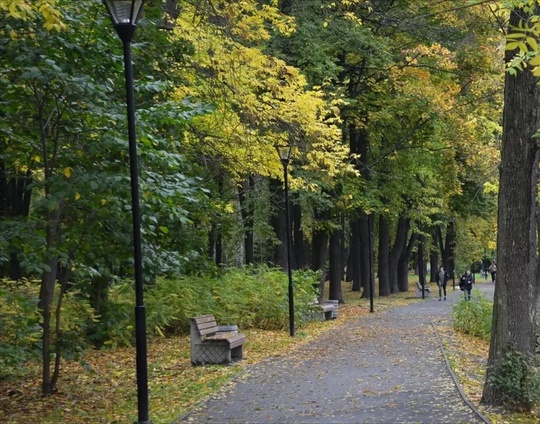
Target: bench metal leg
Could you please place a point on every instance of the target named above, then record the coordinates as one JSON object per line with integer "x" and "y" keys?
{"x": 210, "y": 353}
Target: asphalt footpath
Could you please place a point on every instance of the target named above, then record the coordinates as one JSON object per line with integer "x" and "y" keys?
{"x": 388, "y": 367}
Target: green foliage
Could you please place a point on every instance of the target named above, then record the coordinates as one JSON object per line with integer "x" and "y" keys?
{"x": 474, "y": 316}
{"x": 517, "y": 380}
{"x": 258, "y": 297}
{"x": 248, "y": 297}
{"x": 74, "y": 318}
{"x": 115, "y": 325}
{"x": 19, "y": 321}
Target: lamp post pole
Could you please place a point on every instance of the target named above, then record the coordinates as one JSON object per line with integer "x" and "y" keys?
{"x": 285, "y": 156}
{"x": 371, "y": 265}
{"x": 289, "y": 248}
{"x": 125, "y": 15}
{"x": 421, "y": 273}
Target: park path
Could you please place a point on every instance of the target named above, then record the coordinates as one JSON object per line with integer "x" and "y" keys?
{"x": 384, "y": 368}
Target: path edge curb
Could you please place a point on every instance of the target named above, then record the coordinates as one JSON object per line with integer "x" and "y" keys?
{"x": 456, "y": 380}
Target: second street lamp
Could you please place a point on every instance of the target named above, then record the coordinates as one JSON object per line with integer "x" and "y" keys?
{"x": 125, "y": 15}
{"x": 284, "y": 151}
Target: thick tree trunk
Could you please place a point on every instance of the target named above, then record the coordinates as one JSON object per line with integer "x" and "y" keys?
{"x": 335, "y": 266}
{"x": 514, "y": 315}
{"x": 403, "y": 267}
{"x": 319, "y": 257}
{"x": 450, "y": 245}
{"x": 299, "y": 246}
{"x": 343, "y": 247}
{"x": 356, "y": 247}
{"x": 319, "y": 249}
{"x": 349, "y": 266}
{"x": 365, "y": 266}
{"x": 384, "y": 257}
{"x": 433, "y": 258}
{"x": 278, "y": 222}
{"x": 359, "y": 146}
{"x": 447, "y": 246}
{"x": 396, "y": 251}
{"x": 421, "y": 260}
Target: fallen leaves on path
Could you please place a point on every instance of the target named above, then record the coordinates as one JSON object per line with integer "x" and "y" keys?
{"x": 104, "y": 391}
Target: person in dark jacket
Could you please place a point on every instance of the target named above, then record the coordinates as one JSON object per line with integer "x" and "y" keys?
{"x": 465, "y": 284}
{"x": 442, "y": 280}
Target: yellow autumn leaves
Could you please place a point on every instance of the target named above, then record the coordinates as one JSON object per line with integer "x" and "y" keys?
{"x": 524, "y": 38}
{"x": 25, "y": 9}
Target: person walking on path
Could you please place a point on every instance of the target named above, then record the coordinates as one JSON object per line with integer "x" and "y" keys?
{"x": 442, "y": 280}
{"x": 493, "y": 271}
{"x": 465, "y": 284}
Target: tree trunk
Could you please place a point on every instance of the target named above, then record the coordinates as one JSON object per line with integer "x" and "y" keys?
{"x": 396, "y": 251}
{"x": 319, "y": 257}
{"x": 344, "y": 254}
{"x": 46, "y": 297}
{"x": 514, "y": 314}
{"x": 450, "y": 243}
{"x": 246, "y": 209}
{"x": 359, "y": 146}
{"x": 403, "y": 266}
{"x": 421, "y": 261}
{"x": 365, "y": 266}
{"x": 384, "y": 257}
{"x": 355, "y": 271}
{"x": 299, "y": 247}
{"x": 278, "y": 222}
{"x": 335, "y": 266}
{"x": 433, "y": 258}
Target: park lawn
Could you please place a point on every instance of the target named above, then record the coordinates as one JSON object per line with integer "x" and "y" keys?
{"x": 103, "y": 388}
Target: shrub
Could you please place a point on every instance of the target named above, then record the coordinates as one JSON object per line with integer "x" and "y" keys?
{"x": 20, "y": 333}
{"x": 474, "y": 316}
{"x": 517, "y": 380}
{"x": 248, "y": 297}
{"x": 172, "y": 302}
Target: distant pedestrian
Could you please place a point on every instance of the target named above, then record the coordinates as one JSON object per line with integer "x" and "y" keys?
{"x": 442, "y": 280}
{"x": 465, "y": 284}
{"x": 483, "y": 270}
{"x": 493, "y": 271}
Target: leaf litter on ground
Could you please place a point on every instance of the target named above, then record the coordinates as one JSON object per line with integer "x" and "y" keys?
{"x": 103, "y": 390}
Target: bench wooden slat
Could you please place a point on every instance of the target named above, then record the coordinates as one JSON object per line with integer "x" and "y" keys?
{"x": 206, "y": 324}
{"x": 232, "y": 339}
{"x": 209, "y": 329}
{"x": 327, "y": 307}
{"x": 204, "y": 318}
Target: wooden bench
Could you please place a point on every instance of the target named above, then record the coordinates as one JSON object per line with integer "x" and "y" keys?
{"x": 211, "y": 345}
{"x": 427, "y": 293}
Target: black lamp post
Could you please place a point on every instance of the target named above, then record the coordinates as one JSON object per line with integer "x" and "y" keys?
{"x": 284, "y": 152}
{"x": 371, "y": 265}
{"x": 125, "y": 15}
{"x": 421, "y": 273}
